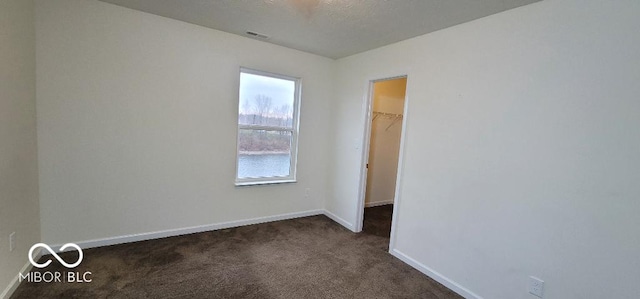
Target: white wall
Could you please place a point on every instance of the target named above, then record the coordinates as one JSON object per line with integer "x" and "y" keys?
{"x": 384, "y": 147}
{"x": 521, "y": 154}
{"x": 18, "y": 152}
{"x": 137, "y": 123}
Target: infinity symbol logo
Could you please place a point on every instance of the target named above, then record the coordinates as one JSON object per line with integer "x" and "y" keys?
{"x": 65, "y": 246}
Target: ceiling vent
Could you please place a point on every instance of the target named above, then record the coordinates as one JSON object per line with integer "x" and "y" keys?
{"x": 258, "y": 35}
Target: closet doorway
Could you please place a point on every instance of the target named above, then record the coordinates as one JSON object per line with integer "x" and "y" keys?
{"x": 386, "y": 106}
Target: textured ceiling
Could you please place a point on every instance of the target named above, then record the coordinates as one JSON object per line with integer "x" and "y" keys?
{"x": 331, "y": 28}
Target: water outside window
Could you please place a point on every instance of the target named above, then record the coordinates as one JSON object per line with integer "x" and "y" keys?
{"x": 264, "y": 153}
{"x": 265, "y": 165}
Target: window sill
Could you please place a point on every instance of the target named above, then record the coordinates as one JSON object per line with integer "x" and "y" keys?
{"x": 266, "y": 182}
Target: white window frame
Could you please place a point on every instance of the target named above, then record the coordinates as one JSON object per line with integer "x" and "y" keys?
{"x": 291, "y": 178}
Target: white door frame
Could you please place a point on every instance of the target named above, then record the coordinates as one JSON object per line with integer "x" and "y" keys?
{"x": 362, "y": 188}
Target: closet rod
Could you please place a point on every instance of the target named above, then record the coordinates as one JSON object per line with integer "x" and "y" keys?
{"x": 387, "y": 114}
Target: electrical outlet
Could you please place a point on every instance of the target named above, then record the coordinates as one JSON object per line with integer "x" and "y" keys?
{"x": 307, "y": 192}
{"x": 12, "y": 241}
{"x": 536, "y": 286}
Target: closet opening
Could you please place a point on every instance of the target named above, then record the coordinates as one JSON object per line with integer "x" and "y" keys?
{"x": 384, "y": 127}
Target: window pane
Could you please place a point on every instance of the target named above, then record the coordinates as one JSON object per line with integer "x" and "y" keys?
{"x": 264, "y": 153}
{"x": 266, "y": 101}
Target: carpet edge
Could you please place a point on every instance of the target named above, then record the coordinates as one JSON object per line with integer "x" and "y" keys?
{"x": 447, "y": 282}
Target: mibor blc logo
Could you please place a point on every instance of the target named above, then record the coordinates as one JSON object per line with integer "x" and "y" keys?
{"x": 65, "y": 246}
{"x": 55, "y": 276}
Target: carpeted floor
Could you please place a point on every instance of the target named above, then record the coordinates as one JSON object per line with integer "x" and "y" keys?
{"x": 377, "y": 222}
{"x": 311, "y": 257}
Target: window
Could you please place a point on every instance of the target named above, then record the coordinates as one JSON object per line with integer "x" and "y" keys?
{"x": 267, "y": 128}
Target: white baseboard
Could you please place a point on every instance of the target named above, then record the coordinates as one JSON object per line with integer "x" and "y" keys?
{"x": 187, "y": 230}
{"x": 15, "y": 282}
{"x": 202, "y": 228}
{"x": 378, "y": 203}
{"x": 340, "y": 221}
{"x": 454, "y": 286}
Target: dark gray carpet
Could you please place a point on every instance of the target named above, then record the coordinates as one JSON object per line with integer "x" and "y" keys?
{"x": 377, "y": 221}
{"x": 310, "y": 257}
